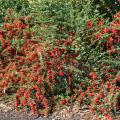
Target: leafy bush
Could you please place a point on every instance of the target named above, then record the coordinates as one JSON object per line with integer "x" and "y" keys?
{"x": 64, "y": 53}
{"x": 19, "y": 6}
{"x": 107, "y": 7}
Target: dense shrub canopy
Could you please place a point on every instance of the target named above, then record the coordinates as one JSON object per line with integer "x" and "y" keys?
{"x": 53, "y": 53}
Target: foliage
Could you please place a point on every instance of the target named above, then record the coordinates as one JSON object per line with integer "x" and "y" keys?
{"x": 19, "y": 6}
{"x": 109, "y": 7}
{"x": 65, "y": 52}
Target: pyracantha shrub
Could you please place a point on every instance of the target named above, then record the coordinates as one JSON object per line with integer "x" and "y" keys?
{"x": 81, "y": 67}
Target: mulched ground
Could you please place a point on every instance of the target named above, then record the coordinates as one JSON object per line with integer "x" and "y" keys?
{"x": 68, "y": 113}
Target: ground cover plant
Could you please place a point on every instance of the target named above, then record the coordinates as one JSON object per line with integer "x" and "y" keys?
{"x": 59, "y": 53}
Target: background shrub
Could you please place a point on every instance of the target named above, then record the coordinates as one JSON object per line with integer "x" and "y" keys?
{"x": 20, "y": 7}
